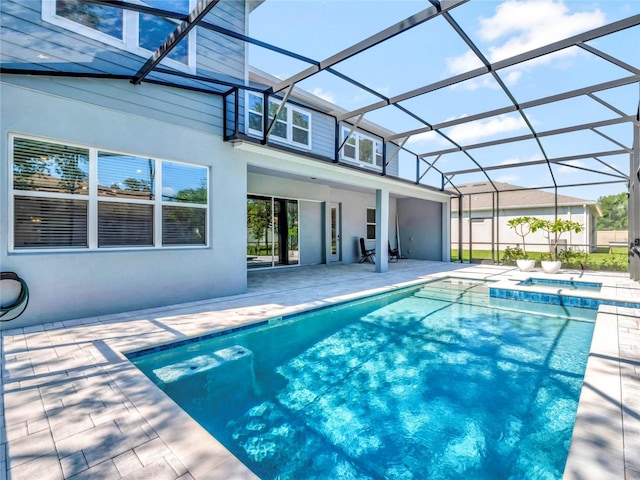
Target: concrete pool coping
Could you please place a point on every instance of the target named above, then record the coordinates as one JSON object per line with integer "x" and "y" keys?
{"x": 73, "y": 406}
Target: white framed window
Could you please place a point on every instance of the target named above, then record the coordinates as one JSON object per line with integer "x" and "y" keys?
{"x": 362, "y": 149}
{"x": 371, "y": 223}
{"x": 72, "y": 197}
{"x": 139, "y": 33}
{"x": 293, "y": 125}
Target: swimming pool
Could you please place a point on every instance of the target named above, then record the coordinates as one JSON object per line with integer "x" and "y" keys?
{"x": 427, "y": 382}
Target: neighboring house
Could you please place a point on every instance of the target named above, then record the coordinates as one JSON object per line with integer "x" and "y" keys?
{"x": 117, "y": 196}
{"x": 485, "y": 216}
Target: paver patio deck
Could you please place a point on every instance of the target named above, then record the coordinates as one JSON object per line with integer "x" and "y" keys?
{"x": 73, "y": 406}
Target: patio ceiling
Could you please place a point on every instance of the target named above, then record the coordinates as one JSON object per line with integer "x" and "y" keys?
{"x": 498, "y": 115}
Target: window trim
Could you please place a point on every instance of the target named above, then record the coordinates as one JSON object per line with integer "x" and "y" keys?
{"x": 289, "y": 122}
{"x": 130, "y": 41}
{"x": 358, "y": 136}
{"x": 93, "y": 199}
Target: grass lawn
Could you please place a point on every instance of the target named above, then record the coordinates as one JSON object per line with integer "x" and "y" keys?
{"x": 599, "y": 260}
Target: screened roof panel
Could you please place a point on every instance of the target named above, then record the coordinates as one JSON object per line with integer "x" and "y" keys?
{"x": 488, "y": 129}
{"x": 430, "y": 176}
{"x": 575, "y": 111}
{"x": 508, "y": 153}
{"x": 615, "y": 44}
{"x": 569, "y": 172}
{"x": 621, "y": 133}
{"x": 623, "y": 98}
{"x": 568, "y": 69}
{"x": 275, "y": 64}
{"x": 525, "y": 176}
{"x": 337, "y": 91}
{"x": 438, "y": 69}
{"x": 392, "y": 118}
{"x": 453, "y": 161}
{"x": 575, "y": 143}
{"x": 460, "y": 100}
{"x": 619, "y": 162}
{"x": 321, "y": 29}
{"x": 586, "y": 166}
{"x": 505, "y": 29}
{"x": 427, "y": 49}
{"x": 590, "y": 192}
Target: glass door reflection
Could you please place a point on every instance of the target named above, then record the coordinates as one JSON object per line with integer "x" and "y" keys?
{"x": 272, "y": 232}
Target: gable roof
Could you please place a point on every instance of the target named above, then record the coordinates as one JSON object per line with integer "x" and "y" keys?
{"x": 514, "y": 196}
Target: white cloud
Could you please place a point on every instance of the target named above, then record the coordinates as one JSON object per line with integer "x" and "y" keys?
{"x": 512, "y": 77}
{"x": 463, "y": 63}
{"x": 485, "y": 128}
{"x": 424, "y": 137}
{"x": 473, "y": 131}
{"x": 507, "y": 178}
{"x": 522, "y": 25}
{"x": 328, "y": 96}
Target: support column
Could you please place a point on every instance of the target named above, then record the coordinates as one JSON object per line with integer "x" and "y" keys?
{"x": 382, "y": 230}
{"x": 634, "y": 206}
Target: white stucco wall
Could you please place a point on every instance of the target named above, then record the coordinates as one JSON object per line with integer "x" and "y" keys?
{"x": 66, "y": 285}
{"x": 507, "y": 237}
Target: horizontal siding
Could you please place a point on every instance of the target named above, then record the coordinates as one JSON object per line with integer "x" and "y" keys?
{"x": 392, "y": 168}
{"x": 181, "y": 107}
{"x": 228, "y": 14}
{"x": 324, "y": 135}
{"x": 28, "y": 42}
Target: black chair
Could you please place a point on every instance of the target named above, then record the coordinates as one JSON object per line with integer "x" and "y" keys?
{"x": 393, "y": 253}
{"x": 367, "y": 254}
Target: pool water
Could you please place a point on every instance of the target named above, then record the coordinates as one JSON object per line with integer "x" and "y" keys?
{"x": 417, "y": 384}
{"x": 564, "y": 284}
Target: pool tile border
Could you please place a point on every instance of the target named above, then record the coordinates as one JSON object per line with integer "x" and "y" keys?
{"x": 557, "y": 299}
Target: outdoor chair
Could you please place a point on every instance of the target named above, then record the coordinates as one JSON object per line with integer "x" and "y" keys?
{"x": 367, "y": 254}
{"x": 393, "y": 253}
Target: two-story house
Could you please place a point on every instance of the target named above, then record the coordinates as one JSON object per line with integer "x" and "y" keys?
{"x": 129, "y": 180}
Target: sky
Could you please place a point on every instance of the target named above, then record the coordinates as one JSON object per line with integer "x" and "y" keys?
{"x": 433, "y": 51}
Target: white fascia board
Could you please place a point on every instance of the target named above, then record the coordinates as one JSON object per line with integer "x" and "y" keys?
{"x": 291, "y": 163}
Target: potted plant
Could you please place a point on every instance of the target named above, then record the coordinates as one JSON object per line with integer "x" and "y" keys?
{"x": 522, "y": 227}
{"x": 553, "y": 230}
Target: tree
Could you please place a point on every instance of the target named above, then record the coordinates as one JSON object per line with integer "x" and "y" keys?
{"x": 522, "y": 228}
{"x": 259, "y": 220}
{"x": 614, "y": 212}
{"x": 553, "y": 230}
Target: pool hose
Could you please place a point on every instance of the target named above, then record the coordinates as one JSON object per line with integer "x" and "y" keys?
{"x": 22, "y": 300}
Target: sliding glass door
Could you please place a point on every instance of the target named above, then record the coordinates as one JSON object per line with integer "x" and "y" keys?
{"x": 272, "y": 232}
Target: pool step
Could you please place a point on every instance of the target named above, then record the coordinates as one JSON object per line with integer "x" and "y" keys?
{"x": 469, "y": 296}
{"x": 200, "y": 375}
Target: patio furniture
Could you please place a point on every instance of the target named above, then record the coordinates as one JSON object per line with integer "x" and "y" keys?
{"x": 393, "y": 253}
{"x": 367, "y": 254}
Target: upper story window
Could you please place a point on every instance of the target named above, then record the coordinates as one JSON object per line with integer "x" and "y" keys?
{"x": 72, "y": 197}
{"x": 362, "y": 149}
{"x": 293, "y": 124}
{"x": 139, "y": 33}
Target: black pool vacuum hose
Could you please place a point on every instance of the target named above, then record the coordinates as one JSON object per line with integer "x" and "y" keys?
{"x": 23, "y": 297}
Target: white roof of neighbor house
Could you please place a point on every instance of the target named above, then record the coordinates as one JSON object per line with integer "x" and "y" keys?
{"x": 512, "y": 196}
